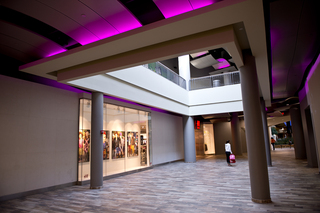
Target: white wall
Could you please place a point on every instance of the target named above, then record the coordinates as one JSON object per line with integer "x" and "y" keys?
{"x": 38, "y": 145}
{"x": 118, "y": 88}
{"x": 153, "y": 82}
{"x": 215, "y": 100}
{"x": 140, "y": 85}
{"x": 223, "y": 94}
{"x": 167, "y": 138}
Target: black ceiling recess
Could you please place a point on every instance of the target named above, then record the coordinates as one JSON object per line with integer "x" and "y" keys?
{"x": 221, "y": 53}
{"x": 146, "y": 11}
{"x": 210, "y": 59}
{"x": 36, "y": 26}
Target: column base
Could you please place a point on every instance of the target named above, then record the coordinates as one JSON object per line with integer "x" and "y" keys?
{"x": 96, "y": 187}
{"x": 261, "y": 201}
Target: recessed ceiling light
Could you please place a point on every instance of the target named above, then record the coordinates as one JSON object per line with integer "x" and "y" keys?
{"x": 83, "y": 15}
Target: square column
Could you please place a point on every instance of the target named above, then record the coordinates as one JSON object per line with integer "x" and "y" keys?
{"x": 297, "y": 130}
{"x": 265, "y": 131}
{"x": 258, "y": 169}
{"x": 184, "y": 68}
{"x": 96, "y": 164}
{"x": 189, "y": 140}
{"x": 235, "y": 132}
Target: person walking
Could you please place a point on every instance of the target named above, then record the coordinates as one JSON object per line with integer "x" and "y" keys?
{"x": 273, "y": 141}
{"x": 227, "y": 147}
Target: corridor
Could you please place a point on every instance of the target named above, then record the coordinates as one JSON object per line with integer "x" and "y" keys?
{"x": 208, "y": 185}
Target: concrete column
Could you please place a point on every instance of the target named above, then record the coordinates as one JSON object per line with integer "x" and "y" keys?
{"x": 297, "y": 131}
{"x": 258, "y": 169}
{"x": 96, "y": 164}
{"x": 189, "y": 140}
{"x": 184, "y": 68}
{"x": 289, "y": 129}
{"x": 265, "y": 131}
{"x": 235, "y": 132}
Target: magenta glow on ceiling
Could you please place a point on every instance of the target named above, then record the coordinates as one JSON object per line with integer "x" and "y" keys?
{"x": 101, "y": 28}
{"x": 171, "y": 8}
{"x": 223, "y": 63}
{"x": 56, "y": 52}
{"x": 202, "y": 3}
{"x": 123, "y": 20}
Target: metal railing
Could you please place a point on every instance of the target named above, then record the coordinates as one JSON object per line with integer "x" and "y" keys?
{"x": 167, "y": 73}
{"x": 215, "y": 80}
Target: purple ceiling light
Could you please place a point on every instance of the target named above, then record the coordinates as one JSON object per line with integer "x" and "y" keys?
{"x": 124, "y": 21}
{"x": 55, "y": 53}
{"x": 101, "y": 28}
{"x": 223, "y": 63}
{"x": 121, "y": 20}
{"x": 171, "y": 8}
{"x": 202, "y": 3}
{"x": 83, "y": 39}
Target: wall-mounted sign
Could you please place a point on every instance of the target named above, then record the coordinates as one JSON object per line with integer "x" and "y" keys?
{"x": 196, "y": 124}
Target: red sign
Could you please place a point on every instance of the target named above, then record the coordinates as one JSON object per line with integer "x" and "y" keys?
{"x": 197, "y": 124}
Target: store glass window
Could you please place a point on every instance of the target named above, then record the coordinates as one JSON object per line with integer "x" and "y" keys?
{"x": 125, "y": 139}
{"x": 84, "y": 140}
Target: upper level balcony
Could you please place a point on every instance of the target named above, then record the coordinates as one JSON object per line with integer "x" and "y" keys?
{"x": 167, "y": 73}
{"x": 219, "y": 80}
{"x": 211, "y": 81}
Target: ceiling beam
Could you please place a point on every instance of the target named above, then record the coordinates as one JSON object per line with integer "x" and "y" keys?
{"x": 213, "y": 39}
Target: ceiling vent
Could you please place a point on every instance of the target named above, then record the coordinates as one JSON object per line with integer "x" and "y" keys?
{"x": 217, "y": 58}
{"x": 204, "y": 61}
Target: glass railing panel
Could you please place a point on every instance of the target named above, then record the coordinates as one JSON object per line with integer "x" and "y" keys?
{"x": 166, "y": 73}
{"x": 215, "y": 80}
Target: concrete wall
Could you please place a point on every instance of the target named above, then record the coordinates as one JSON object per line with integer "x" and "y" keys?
{"x": 38, "y": 136}
{"x": 222, "y": 133}
{"x": 314, "y": 101}
{"x": 199, "y": 139}
{"x": 308, "y": 130}
{"x": 167, "y": 137}
{"x": 39, "y": 126}
{"x": 243, "y": 136}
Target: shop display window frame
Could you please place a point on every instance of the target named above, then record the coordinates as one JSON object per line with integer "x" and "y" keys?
{"x": 112, "y": 158}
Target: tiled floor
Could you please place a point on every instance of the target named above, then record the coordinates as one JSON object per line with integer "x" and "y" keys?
{"x": 206, "y": 186}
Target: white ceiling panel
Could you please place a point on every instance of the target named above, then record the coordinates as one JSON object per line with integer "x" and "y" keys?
{"x": 53, "y": 18}
{"x": 115, "y": 13}
{"x": 15, "y": 53}
{"x": 21, "y": 46}
{"x": 171, "y": 8}
{"x": 39, "y": 45}
{"x": 84, "y": 16}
